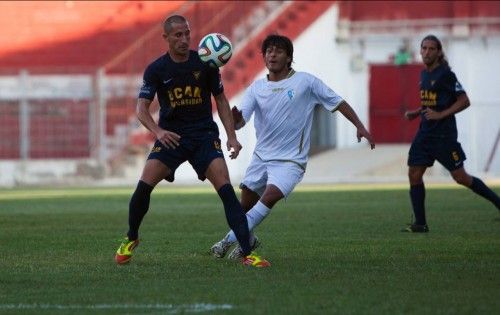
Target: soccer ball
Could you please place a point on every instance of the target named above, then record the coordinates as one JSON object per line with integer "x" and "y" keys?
{"x": 215, "y": 49}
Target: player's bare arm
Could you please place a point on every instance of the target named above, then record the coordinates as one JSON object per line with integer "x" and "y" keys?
{"x": 349, "y": 113}
{"x": 167, "y": 138}
{"x": 227, "y": 120}
{"x": 412, "y": 114}
{"x": 461, "y": 104}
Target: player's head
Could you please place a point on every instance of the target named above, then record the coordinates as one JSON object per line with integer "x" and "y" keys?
{"x": 277, "y": 51}
{"x": 432, "y": 52}
{"x": 178, "y": 35}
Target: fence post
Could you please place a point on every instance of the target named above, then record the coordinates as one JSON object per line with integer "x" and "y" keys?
{"x": 98, "y": 120}
{"x": 24, "y": 116}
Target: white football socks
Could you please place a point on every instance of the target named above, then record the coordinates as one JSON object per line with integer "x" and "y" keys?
{"x": 254, "y": 218}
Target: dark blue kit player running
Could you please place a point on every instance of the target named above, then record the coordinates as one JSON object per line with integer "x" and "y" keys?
{"x": 185, "y": 131}
{"x": 441, "y": 97}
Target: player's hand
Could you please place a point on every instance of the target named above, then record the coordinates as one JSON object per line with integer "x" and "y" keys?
{"x": 234, "y": 147}
{"x": 168, "y": 138}
{"x": 430, "y": 114}
{"x": 412, "y": 114}
{"x": 239, "y": 122}
{"x": 362, "y": 132}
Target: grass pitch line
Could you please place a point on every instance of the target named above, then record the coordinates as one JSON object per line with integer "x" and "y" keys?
{"x": 170, "y": 308}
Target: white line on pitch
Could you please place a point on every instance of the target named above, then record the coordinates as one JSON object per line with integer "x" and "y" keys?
{"x": 190, "y": 308}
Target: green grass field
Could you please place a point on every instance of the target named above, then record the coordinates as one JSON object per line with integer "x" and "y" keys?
{"x": 334, "y": 250}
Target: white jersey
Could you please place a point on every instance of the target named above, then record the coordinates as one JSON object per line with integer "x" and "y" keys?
{"x": 284, "y": 113}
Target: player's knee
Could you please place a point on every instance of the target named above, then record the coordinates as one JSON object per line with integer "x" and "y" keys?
{"x": 462, "y": 179}
{"x": 271, "y": 197}
{"x": 415, "y": 177}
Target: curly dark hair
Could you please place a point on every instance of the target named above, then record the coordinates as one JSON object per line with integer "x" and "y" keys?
{"x": 278, "y": 41}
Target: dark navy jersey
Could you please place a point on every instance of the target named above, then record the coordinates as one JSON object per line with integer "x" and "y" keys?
{"x": 439, "y": 89}
{"x": 184, "y": 93}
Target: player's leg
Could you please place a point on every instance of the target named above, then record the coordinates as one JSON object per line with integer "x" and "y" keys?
{"x": 154, "y": 171}
{"x": 218, "y": 174}
{"x": 261, "y": 209}
{"x": 253, "y": 185}
{"x": 452, "y": 157}
{"x": 255, "y": 216}
{"x": 258, "y": 207}
{"x": 161, "y": 164}
{"x": 420, "y": 157}
{"x": 263, "y": 206}
{"x": 248, "y": 199}
{"x": 282, "y": 179}
{"x": 476, "y": 185}
{"x": 417, "y": 197}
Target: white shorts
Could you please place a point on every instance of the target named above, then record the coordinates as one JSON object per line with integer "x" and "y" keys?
{"x": 282, "y": 174}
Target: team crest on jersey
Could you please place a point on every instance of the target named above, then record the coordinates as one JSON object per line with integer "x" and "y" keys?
{"x": 432, "y": 82}
{"x": 217, "y": 145}
{"x": 291, "y": 94}
{"x": 196, "y": 74}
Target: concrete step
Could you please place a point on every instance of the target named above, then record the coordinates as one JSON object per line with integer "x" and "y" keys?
{"x": 387, "y": 163}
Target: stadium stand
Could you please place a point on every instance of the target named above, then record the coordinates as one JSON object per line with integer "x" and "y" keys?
{"x": 73, "y": 36}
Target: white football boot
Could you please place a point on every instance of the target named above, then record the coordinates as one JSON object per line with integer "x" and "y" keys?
{"x": 237, "y": 253}
{"x": 220, "y": 248}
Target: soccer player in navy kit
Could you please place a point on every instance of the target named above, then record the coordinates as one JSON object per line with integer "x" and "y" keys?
{"x": 442, "y": 96}
{"x": 186, "y": 131}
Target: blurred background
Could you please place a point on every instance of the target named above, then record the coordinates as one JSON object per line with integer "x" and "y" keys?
{"x": 70, "y": 73}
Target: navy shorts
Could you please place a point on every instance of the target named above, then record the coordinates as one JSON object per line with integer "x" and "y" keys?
{"x": 199, "y": 151}
{"x": 448, "y": 152}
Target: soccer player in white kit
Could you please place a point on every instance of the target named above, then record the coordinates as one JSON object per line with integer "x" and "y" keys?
{"x": 283, "y": 104}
